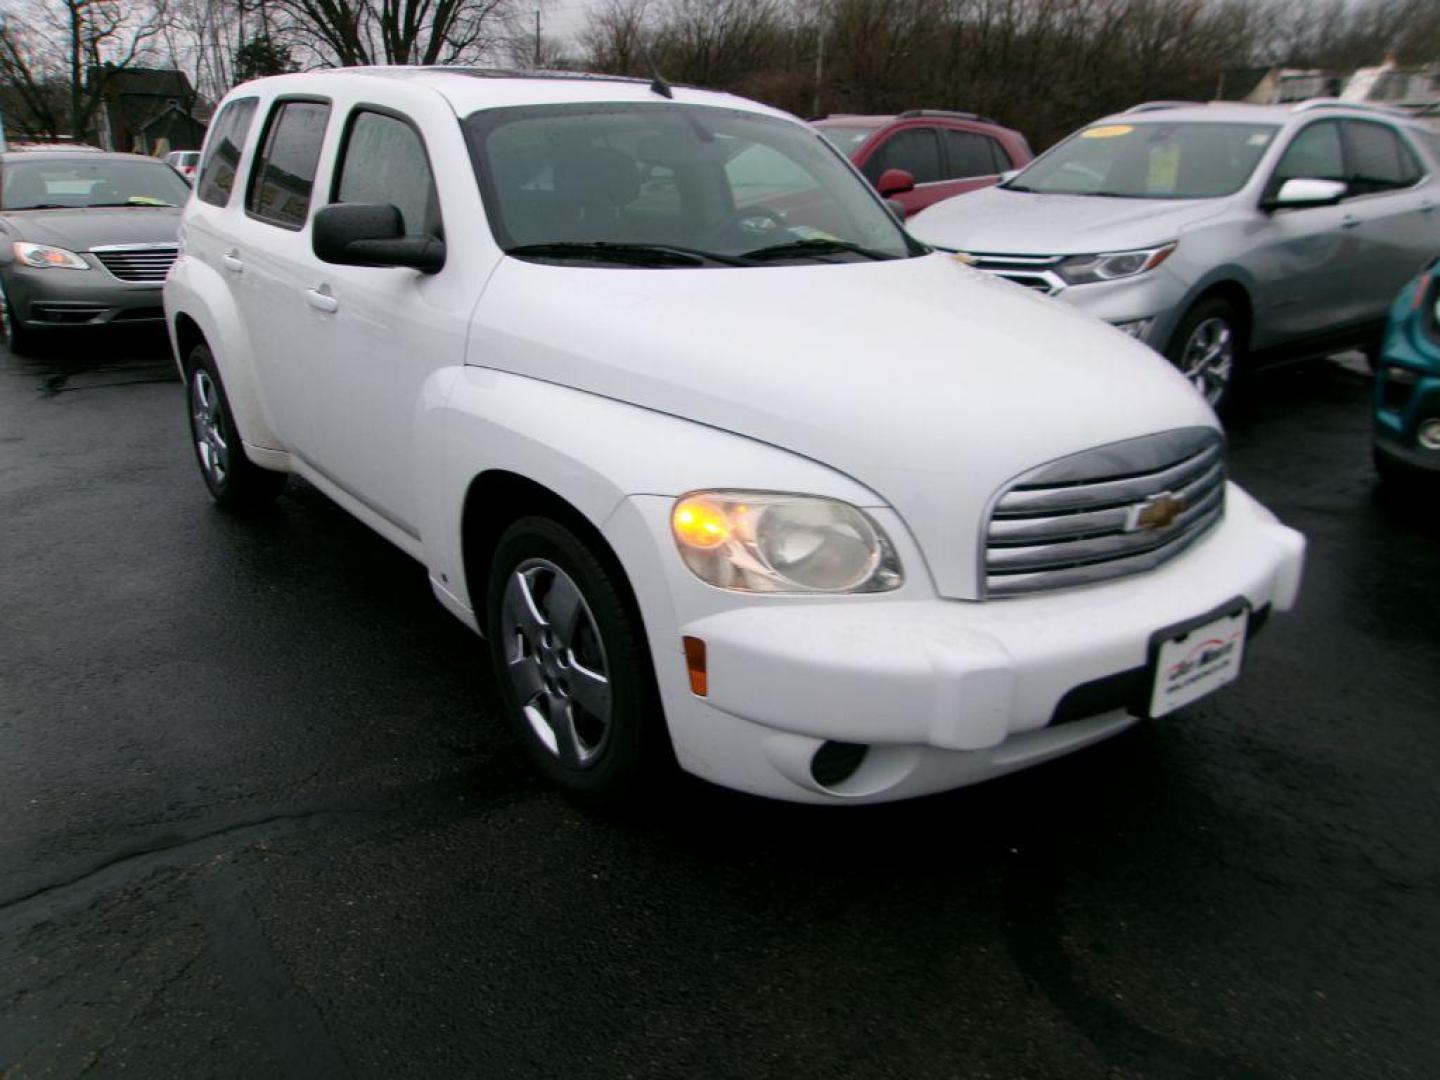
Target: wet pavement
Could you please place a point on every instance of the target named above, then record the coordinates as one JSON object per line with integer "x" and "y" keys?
{"x": 257, "y": 819}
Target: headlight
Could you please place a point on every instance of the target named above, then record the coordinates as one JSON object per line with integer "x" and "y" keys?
{"x": 758, "y": 542}
{"x": 1088, "y": 269}
{"x": 44, "y": 257}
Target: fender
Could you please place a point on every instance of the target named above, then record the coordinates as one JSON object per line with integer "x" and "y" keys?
{"x": 590, "y": 450}
{"x": 197, "y": 291}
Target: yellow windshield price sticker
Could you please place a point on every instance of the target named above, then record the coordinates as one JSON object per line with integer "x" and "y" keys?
{"x": 1109, "y": 131}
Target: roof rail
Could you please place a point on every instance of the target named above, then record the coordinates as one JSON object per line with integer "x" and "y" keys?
{"x": 1341, "y": 103}
{"x": 952, "y": 114}
{"x": 1156, "y": 106}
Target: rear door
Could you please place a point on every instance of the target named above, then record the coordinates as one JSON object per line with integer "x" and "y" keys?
{"x": 1393, "y": 197}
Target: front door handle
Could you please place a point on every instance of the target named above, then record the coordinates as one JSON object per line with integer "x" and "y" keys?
{"x": 232, "y": 261}
{"x": 321, "y": 300}
{"x": 1349, "y": 221}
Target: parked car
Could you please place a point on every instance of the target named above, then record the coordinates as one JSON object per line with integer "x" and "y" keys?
{"x": 85, "y": 239}
{"x": 803, "y": 506}
{"x": 1219, "y": 234}
{"x": 922, "y": 156}
{"x": 1407, "y": 384}
{"x": 184, "y": 162}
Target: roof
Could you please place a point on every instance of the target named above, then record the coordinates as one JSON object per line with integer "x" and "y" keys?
{"x": 1239, "y": 112}
{"x": 90, "y": 157}
{"x": 470, "y": 89}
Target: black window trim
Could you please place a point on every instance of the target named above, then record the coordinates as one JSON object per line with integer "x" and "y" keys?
{"x": 240, "y": 161}
{"x": 338, "y": 166}
{"x": 1417, "y": 159}
{"x": 276, "y": 106}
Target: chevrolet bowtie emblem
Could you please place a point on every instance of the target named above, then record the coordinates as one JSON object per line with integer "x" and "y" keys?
{"x": 1156, "y": 512}
{"x": 965, "y": 257}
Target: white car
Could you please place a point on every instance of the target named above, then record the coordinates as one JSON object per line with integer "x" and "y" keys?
{"x": 185, "y": 162}
{"x": 729, "y": 471}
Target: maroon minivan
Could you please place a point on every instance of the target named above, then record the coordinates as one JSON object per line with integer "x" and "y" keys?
{"x": 925, "y": 155}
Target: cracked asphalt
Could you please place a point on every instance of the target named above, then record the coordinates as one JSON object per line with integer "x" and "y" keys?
{"x": 257, "y": 819}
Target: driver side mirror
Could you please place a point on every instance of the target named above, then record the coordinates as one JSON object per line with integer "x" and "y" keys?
{"x": 895, "y": 182}
{"x": 1300, "y": 193}
{"x": 364, "y": 234}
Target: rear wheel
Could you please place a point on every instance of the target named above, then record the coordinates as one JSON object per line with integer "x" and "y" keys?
{"x": 235, "y": 481}
{"x": 572, "y": 663}
{"x": 1208, "y": 349}
{"x": 13, "y": 335}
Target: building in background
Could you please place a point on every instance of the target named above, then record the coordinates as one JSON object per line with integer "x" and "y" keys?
{"x": 148, "y": 111}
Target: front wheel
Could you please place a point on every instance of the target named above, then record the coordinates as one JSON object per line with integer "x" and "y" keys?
{"x": 235, "y": 481}
{"x": 1207, "y": 348}
{"x": 13, "y": 334}
{"x": 572, "y": 663}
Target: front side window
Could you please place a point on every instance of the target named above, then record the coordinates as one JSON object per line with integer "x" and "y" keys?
{"x": 1314, "y": 154}
{"x": 1150, "y": 160}
{"x": 1379, "y": 161}
{"x": 222, "y": 152}
{"x": 284, "y": 172}
{"x": 385, "y": 162}
{"x": 80, "y": 180}
{"x": 916, "y": 150}
{"x": 672, "y": 185}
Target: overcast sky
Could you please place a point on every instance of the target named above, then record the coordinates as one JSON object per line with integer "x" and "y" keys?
{"x": 564, "y": 18}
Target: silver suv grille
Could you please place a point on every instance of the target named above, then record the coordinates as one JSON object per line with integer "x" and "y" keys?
{"x": 1103, "y": 513}
{"x": 1032, "y": 271}
{"x": 139, "y": 262}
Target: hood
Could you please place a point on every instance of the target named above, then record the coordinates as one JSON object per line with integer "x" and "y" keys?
{"x": 1021, "y": 223}
{"x": 929, "y": 383}
{"x": 83, "y": 229}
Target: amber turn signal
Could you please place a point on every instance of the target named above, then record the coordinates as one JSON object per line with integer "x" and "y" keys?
{"x": 695, "y": 665}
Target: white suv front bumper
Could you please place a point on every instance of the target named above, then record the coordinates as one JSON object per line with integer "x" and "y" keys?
{"x": 942, "y": 692}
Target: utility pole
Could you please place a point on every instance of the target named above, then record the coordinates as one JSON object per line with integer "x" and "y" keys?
{"x": 537, "y": 38}
{"x": 3, "y": 144}
{"x": 819, "y": 57}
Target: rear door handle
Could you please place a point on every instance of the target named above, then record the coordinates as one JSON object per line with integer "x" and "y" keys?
{"x": 321, "y": 300}
{"x": 1349, "y": 221}
{"x": 232, "y": 261}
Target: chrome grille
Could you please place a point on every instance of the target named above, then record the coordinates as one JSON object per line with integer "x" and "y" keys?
{"x": 1104, "y": 513}
{"x": 1031, "y": 271}
{"x": 138, "y": 262}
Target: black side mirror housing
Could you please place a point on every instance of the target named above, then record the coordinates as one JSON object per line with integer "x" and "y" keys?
{"x": 366, "y": 234}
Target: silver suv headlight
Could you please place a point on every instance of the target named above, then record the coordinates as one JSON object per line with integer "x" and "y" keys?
{"x": 43, "y": 257}
{"x": 753, "y": 541}
{"x": 1112, "y": 265}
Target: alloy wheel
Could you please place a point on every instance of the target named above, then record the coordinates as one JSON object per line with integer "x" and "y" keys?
{"x": 555, "y": 661}
{"x": 205, "y": 424}
{"x": 1208, "y": 359}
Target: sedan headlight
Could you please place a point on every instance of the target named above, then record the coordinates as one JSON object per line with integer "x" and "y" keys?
{"x": 766, "y": 543}
{"x": 42, "y": 257}
{"x": 1088, "y": 269}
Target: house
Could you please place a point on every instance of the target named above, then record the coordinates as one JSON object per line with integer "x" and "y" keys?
{"x": 147, "y": 110}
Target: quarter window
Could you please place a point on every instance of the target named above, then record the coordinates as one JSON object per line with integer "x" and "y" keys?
{"x": 968, "y": 153}
{"x": 385, "y": 162}
{"x": 284, "y": 172}
{"x": 222, "y": 153}
{"x": 916, "y": 150}
{"x": 1379, "y": 161}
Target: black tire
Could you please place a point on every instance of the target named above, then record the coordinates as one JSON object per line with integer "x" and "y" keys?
{"x": 17, "y": 338}
{"x": 235, "y": 482}
{"x": 610, "y": 760}
{"x": 1205, "y": 314}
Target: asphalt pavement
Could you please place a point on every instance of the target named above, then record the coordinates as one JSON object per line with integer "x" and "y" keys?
{"x": 257, "y": 817}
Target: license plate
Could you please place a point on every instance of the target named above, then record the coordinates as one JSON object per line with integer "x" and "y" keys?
{"x": 1193, "y": 660}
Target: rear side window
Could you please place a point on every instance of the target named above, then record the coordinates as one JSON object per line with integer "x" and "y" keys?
{"x": 384, "y": 161}
{"x": 916, "y": 150}
{"x": 222, "y": 153}
{"x": 1379, "y": 161}
{"x": 968, "y": 153}
{"x": 284, "y": 173}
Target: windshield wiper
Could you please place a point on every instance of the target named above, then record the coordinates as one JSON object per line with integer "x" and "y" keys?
{"x": 798, "y": 249}
{"x": 127, "y": 202}
{"x": 41, "y": 206}
{"x": 636, "y": 254}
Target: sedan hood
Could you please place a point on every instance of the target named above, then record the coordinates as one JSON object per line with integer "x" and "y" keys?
{"x": 83, "y": 229}
{"x": 999, "y": 221}
{"x": 929, "y": 383}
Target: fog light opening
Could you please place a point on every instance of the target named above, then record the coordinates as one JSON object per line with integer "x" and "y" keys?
{"x": 1428, "y": 433}
{"x": 836, "y": 762}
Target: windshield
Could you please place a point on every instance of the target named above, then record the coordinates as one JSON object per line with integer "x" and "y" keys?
{"x": 846, "y": 139}
{"x": 83, "y": 181}
{"x": 673, "y": 185}
{"x": 1150, "y": 160}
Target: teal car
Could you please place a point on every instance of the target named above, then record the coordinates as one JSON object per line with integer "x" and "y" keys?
{"x": 1407, "y": 384}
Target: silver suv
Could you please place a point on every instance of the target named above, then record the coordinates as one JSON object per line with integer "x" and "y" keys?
{"x": 1217, "y": 233}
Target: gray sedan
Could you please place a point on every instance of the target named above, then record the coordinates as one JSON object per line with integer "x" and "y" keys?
{"x": 85, "y": 239}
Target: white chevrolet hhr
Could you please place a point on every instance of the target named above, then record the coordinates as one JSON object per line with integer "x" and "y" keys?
{"x": 728, "y": 470}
